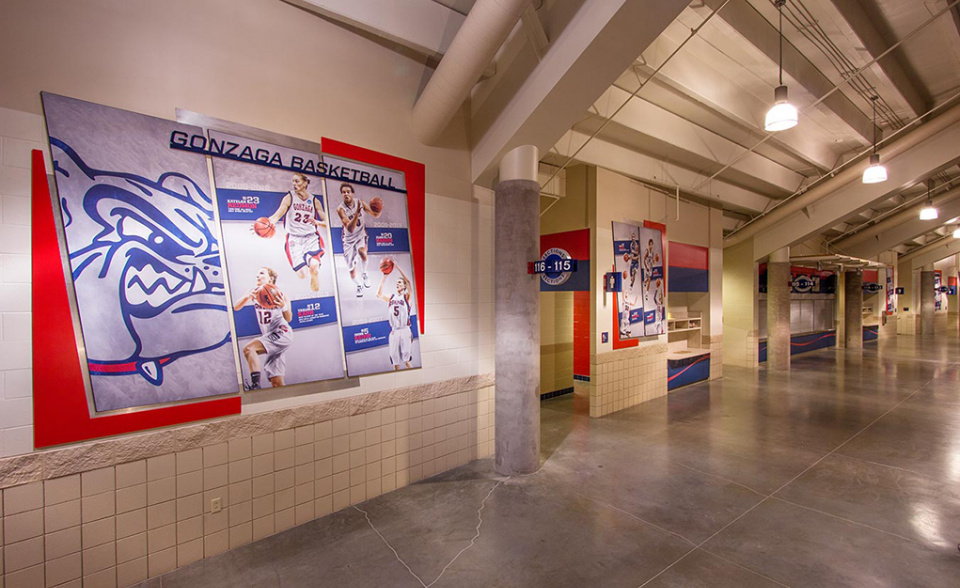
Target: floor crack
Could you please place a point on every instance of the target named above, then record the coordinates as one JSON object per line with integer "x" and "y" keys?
{"x": 483, "y": 503}
{"x": 387, "y": 543}
{"x": 473, "y": 540}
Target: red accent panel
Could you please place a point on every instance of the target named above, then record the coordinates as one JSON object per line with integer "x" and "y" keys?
{"x": 576, "y": 243}
{"x": 951, "y": 281}
{"x": 415, "y": 175}
{"x": 870, "y": 276}
{"x": 60, "y": 413}
{"x": 581, "y": 333}
{"x": 689, "y": 256}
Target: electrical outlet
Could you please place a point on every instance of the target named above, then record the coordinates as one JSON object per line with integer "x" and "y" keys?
{"x": 216, "y": 505}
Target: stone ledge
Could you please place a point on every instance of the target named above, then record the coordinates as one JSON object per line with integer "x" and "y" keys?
{"x": 631, "y": 353}
{"x": 74, "y": 459}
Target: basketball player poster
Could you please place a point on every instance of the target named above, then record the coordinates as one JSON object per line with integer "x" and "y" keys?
{"x": 144, "y": 256}
{"x": 276, "y": 240}
{"x": 627, "y": 258}
{"x": 654, "y": 290}
{"x": 374, "y": 268}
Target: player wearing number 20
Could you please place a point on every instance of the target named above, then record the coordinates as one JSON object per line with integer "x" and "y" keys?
{"x": 355, "y": 232}
{"x": 398, "y": 311}
{"x": 303, "y": 217}
{"x": 276, "y": 336}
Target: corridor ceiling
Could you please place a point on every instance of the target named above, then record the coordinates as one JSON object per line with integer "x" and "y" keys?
{"x": 567, "y": 80}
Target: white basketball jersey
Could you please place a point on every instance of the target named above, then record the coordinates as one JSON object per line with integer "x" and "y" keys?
{"x": 358, "y": 233}
{"x": 271, "y": 320}
{"x": 399, "y": 312}
{"x": 300, "y": 216}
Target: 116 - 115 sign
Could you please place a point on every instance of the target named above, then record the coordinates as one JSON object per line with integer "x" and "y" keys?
{"x": 552, "y": 266}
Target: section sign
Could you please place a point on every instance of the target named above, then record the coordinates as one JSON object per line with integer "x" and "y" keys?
{"x": 144, "y": 256}
{"x": 374, "y": 268}
{"x": 654, "y": 319}
{"x": 276, "y": 239}
{"x": 626, "y": 260}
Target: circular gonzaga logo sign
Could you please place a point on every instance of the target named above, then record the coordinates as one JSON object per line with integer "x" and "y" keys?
{"x": 553, "y": 261}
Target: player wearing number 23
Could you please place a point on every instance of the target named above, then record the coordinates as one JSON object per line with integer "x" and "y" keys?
{"x": 303, "y": 217}
{"x": 398, "y": 311}
{"x": 276, "y": 336}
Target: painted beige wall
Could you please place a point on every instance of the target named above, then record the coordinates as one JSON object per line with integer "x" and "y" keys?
{"x": 260, "y": 62}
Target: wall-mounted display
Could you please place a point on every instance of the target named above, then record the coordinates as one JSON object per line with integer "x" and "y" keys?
{"x": 144, "y": 256}
{"x": 654, "y": 288}
{"x": 374, "y": 268}
{"x": 276, "y": 237}
{"x": 627, "y": 255}
{"x": 937, "y": 294}
{"x": 891, "y": 294}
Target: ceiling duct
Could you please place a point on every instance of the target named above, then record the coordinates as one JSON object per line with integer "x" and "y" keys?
{"x": 483, "y": 32}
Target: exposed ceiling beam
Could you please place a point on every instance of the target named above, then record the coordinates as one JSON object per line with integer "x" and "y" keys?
{"x": 862, "y": 17}
{"x": 932, "y": 253}
{"x": 600, "y": 41}
{"x": 650, "y": 169}
{"x": 424, "y": 26}
{"x": 929, "y": 156}
{"x": 754, "y": 28}
{"x": 653, "y": 130}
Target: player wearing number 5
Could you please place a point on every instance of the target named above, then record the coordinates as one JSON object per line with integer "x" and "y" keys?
{"x": 303, "y": 217}
{"x": 398, "y": 311}
{"x": 355, "y": 232}
{"x": 273, "y": 316}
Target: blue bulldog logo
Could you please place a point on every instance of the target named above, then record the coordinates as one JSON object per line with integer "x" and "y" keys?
{"x": 145, "y": 265}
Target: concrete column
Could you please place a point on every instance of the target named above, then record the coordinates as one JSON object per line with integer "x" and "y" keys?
{"x": 853, "y": 309}
{"x": 778, "y": 310}
{"x": 740, "y": 305}
{"x": 517, "y": 322}
{"x": 927, "y": 300}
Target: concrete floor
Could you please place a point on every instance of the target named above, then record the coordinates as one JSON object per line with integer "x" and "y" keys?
{"x": 844, "y": 473}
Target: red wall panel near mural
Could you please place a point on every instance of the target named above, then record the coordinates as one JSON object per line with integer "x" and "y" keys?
{"x": 60, "y": 412}
{"x": 577, "y": 245}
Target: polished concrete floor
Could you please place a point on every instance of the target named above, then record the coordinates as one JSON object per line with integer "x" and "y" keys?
{"x": 846, "y": 472}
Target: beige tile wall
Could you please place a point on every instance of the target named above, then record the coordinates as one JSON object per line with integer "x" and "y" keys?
{"x": 715, "y": 344}
{"x": 119, "y": 525}
{"x": 627, "y": 377}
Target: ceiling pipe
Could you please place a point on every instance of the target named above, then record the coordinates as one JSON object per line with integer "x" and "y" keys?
{"x": 483, "y": 32}
{"x": 906, "y": 215}
{"x": 851, "y": 173}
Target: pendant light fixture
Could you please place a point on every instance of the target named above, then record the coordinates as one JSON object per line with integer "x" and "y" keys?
{"x": 782, "y": 115}
{"x": 876, "y": 173}
{"x": 956, "y": 233}
{"x": 928, "y": 212}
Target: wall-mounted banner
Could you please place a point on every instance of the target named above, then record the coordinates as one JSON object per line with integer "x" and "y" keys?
{"x": 689, "y": 268}
{"x": 654, "y": 288}
{"x": 891, "y": 294}
{"x": 374, "y": 270}
{"x": 804, "y": 280}
{"x": 938, "y": 300}
{"x": 276, "y": 240}
{"x": 627, "y": 254}
{"x": 145, "y": 261}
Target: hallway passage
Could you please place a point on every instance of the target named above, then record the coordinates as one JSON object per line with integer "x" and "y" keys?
{"x": 845, "y": 472}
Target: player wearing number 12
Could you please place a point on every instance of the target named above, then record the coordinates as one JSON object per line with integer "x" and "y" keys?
{"x": 398, "y": 313}
{"x": 276, "y": 336}
{"x": 303, "y": 217}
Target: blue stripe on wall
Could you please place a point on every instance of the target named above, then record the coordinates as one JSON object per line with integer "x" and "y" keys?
{"x": 685, "y": 279}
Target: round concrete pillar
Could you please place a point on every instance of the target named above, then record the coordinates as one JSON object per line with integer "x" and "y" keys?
{"x": 927, "y": 300}
{"x": 517, "y": 322}
{"x": 853, "y": 309}
{"x": 779, "y": 284}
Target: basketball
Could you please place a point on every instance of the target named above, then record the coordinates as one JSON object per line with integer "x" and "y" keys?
{"x": 376, "y": 204}
{"x": 264, "y": 228}
{"x": 626, "y": 257}
{"x": 268, "y": 296}
{"x": 386, "y": 266}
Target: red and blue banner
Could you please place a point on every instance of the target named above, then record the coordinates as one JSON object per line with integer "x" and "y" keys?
{"x": 689, "y": 268}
